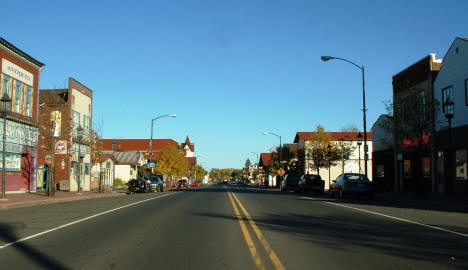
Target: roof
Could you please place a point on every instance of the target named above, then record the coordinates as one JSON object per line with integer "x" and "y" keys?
{"x": 142, "y": 145}
{"x": 127, "y": 158}
{"x": 265, "y": 159}
{"x": 187, "y": 143}
{"x": 335, "y": 136}
{"x": 292, "y": 146}
{"x": 104, "y": 157}
{"x": 20, "y": 53}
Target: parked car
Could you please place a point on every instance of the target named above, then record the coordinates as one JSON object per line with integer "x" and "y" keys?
{"x": 351, "y": 183}
{"x": 311, "y": 182}
{"x": 290, "y": 182}
{"x": 182, "y": 183}
{"x": 156, "y": 183}
{"x": 197, "y": 183}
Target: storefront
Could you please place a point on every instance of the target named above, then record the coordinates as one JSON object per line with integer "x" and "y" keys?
{"x": 19, "y": 80}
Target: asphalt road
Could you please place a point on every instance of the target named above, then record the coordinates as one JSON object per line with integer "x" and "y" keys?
{"x": 231, "y": 228}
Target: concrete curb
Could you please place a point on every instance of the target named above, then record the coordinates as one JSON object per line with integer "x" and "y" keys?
{"x": 56, "y": 200}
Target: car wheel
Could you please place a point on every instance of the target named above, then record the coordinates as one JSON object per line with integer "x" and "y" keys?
{"x": 370, "y": 196}
{"x": 341, "y": 194}
{"x": 161, "y": 189}
{"x": 331, "y": 194}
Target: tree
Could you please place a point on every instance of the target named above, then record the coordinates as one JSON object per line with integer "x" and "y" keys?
{"x": 247, "y": 164}
{"x": 345, "y": 147}
{"x": 350, "y": 128}
{"x": 199, "y": 172}
{"x": 317, "y": 150}
{"x": 171, "y": 162}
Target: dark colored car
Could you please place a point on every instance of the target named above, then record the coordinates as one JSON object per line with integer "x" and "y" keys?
{"x": 182, "y": 183}
{"x": 311, "y": 182}
{"x": 156, "y": 183}
{"x": 290, "y": 182}
{"x": 352, "y": 183}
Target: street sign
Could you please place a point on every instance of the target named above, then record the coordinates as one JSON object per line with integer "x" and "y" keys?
{"x": 281, "y": 172}
{"x": 151, "y": 165}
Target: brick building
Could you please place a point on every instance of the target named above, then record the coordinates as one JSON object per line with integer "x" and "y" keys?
{"x": 62, "y": 112}
{"x": 19, "y": 79}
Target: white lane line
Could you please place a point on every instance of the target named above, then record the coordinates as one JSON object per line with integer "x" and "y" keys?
{"x": 396, "y": 218}
{"x": 78, "y": 221}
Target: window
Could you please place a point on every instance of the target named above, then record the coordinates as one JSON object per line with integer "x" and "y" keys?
{"x": 6, "y": 85}
{"x": 86, "y": 124}
{"x": 446, "y": 93}
{"x": 407, "y": 168}
{"x": 426, "y": 162}
{"x": 461, "y": 165}
{"x": 27, "y": 109}
{"x": 75, "y": 120}
{"x": 466, "y": 92}
{"x": 18, "y": 96}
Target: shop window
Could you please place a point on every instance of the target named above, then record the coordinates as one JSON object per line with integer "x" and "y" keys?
{"x": 426, "y": 166}
{"x": 407, "y": 168}
{"x": 380, "y": 172}
{"x": 461, "y": 165}
{"x": 108, "y": 165}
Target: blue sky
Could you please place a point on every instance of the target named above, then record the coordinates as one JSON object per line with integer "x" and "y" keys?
{"x": 230, "y": 70}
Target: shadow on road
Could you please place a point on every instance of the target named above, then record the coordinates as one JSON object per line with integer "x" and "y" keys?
{"x": 388, "y": 199}
{"x": 39, "y": 258}
{"x": 343, "y": 233}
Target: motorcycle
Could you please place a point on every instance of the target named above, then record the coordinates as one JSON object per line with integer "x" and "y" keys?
{"x": 139, "y": 186}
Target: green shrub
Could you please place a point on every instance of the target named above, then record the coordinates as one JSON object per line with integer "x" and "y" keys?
{"x": 118, "y": 182}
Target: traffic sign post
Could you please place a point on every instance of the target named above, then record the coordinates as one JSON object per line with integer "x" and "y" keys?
{"x": 281, "y": 172}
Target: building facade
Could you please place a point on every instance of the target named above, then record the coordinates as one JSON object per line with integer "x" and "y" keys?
{"x": 66, "y": 136}
{"x": 19, "y": 79}
{"x": 413, "y": 112}
{"x": 355, "y": 162}
{"x": 451, "y": 143}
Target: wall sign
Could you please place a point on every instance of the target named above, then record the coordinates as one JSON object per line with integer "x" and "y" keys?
{"x": 61, "y": 147}
{"x": 17, "y": 72}
{"x": 18, "y": 133}
{"x": 12, "y": 162}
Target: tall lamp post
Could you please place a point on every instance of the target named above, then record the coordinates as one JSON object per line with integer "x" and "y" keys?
{"x": 281, "y": 147}
{"x": 359, "y": 142}
{"x": 329, "y": 152}
{"x": 5, "y": 108}
{"x": 151, "y": 141}
{"x": 449, "y": 113}
{"x": 79, "y": 136}
{"x": 326, "y": 58}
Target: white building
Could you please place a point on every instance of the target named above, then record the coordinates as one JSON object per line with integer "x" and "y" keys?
{"x": 354, "y": 164}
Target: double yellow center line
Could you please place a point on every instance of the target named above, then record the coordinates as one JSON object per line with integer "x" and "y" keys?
{"x": 250, "y": 243}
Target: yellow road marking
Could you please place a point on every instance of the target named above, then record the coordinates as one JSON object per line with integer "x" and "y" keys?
{"x": 253, "y": 251}
{"x": 273, "y": 257}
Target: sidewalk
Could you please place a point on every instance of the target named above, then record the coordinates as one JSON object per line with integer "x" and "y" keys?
{"x": 31, "y": 199}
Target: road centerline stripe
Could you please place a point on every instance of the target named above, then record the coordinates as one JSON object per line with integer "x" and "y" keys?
{"x": 253, "y": 250}
{"x": 78, "y": 221}
{"x": 396, "y": 218}
{"x": 271, "y": 253}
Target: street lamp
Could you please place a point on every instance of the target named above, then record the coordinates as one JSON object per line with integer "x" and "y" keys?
{"x": 326, "y": 58}
{"x": 79, "y": 136}
{"x": 329, "y": 152}
{"x": 449, "y": 113}
{"x": 281, "y": 148}
{"x": 5, "y": 109}
{"x": 359, "y": 142}
{"x": 151, "y": 141}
